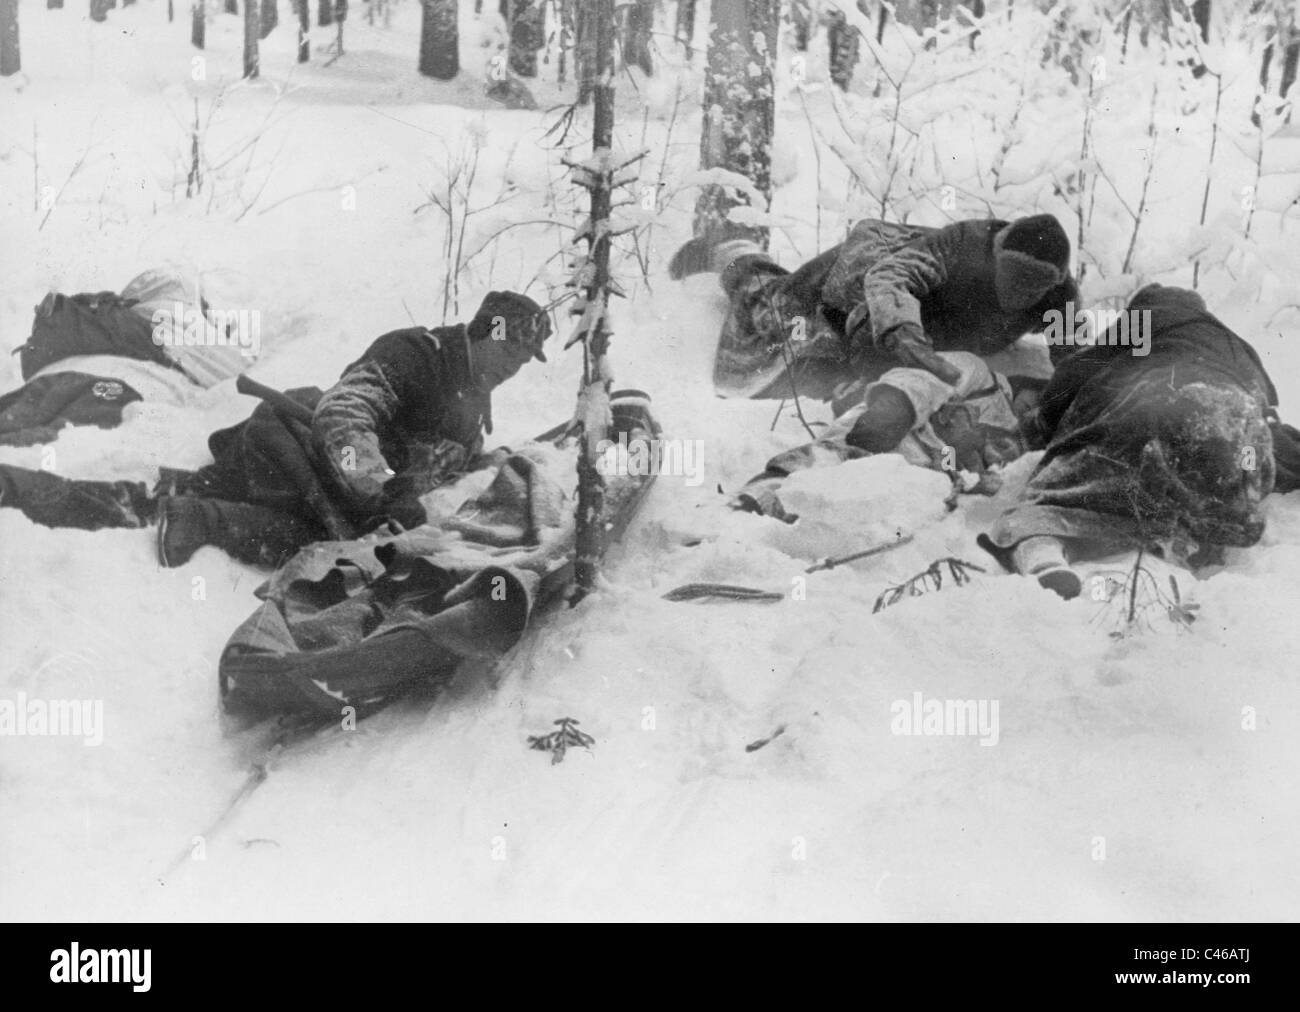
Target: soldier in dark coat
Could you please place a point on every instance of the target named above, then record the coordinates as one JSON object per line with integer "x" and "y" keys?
{"x": 405, "y": 417}
{"x": 1172, "y": 449}
{"x": 889, "y": 295}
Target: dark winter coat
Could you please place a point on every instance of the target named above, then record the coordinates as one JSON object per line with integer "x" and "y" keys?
{"x": 940, "y": 279}
{"x": 1175, "y": 446}
{"x": 932, "y": 283}
{"x": 37, "y": 410}
{"x": 101, "y": 323}
{"x": 407, "y": 408}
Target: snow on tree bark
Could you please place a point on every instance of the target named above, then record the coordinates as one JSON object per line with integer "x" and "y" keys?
{"x": 524, "y": 22}
{"x": 439, "y": 40}
{"x": 685, "y": 22}
{"x": 842, "y": 39}
{"x": 594, "y": 283}
{"x": 739, "y": 112}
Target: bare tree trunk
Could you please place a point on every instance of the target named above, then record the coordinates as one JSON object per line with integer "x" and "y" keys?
{"x": 685, "y": 21}
{"x": 252, "y": 23}
{"x": 584, "y": 50}
{"x": 439, "y": 40}
{"x": 843, "y": 41}
{"x": 303, "y": 10}
{"x": 99, "y": 10}
{"x": 232, "y": 6}
{"x": 524, "y": 22}
{"x": 739, "y": 111}
{"x": 198, "y": 24}
{"x": 10, "y": 56}
{"x": 801, "y": 23}
{"x": 54, "y": 5}
{"x": 270, "y": 17}
{"x": 325, "y": 13}
{"x": 638, "y": 22}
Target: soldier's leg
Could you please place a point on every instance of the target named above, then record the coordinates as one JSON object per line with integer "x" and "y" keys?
{"x": 258, "y": 535}
{"x": 55, "y": 501}
{"x": 1043, "y": 557}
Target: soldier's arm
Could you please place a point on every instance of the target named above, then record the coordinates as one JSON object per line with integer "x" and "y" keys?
{"x": 889, "y": 316}
{"x": 893, "y": 287}
{"x": 349, "y": 421}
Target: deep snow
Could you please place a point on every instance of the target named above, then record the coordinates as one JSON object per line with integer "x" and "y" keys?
{"x": 441, "y": 811}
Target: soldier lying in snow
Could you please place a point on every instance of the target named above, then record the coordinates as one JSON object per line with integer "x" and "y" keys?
{"x": 404, "y": 418}
{"x": 889, "y": 295}
{"x": 964, "y": 429}
{"x": 1171, "y": 451}
{"x": 91, "y": 355}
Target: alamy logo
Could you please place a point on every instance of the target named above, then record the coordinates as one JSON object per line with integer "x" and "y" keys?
{"x": 680, "y": 457}
{"x": 921, "y": 716}
{"x": 187, "y": 326}
{"x": 74, "y": 965}
{"x": 1128, "y": 328}
{"x": 67, "y": 718}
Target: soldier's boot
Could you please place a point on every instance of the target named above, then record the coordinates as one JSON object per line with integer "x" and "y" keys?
{"x": 54, "y": 501}
{"x": 1043, "y": 557}
{"x": 257, "y": 535}
{"x": 735, "y": 259}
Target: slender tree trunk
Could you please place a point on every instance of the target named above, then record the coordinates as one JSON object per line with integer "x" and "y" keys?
{"x": 842, "y": 38}
{"x": 198, "y": 24}
{"x": 524, "y": 21}
{"x": 584, "y": 50}
{"x": 739, "y": 111}
{"x": 252, "y": 24}
{"x": 325, "y": 13}
{"x": 801, "y": 23}
{"x": 589, "y": 535}
{"x": 98, "y": 10}
{"x": 439, "y": 40}
{"x": 638, "y": 23}
{"x": 10, "y": 56}
{"x": 685, "y": 22}
{"x": 232, "y": 6}
{"x": 54, "y": 5}
{"x": 303, "y": 9}
{"x": 270, "y": 17}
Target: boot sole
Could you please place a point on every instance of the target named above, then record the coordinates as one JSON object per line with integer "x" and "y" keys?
{"x": 1063, "y": 582}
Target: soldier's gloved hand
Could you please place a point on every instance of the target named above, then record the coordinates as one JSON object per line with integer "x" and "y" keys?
{"x": 401, "y": 502}
{"x": 909, "y": 346}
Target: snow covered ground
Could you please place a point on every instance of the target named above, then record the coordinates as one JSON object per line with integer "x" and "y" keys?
{"x": 1154, "y": 776}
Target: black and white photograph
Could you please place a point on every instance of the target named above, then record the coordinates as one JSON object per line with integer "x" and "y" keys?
{"x": 650, "y": 461}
